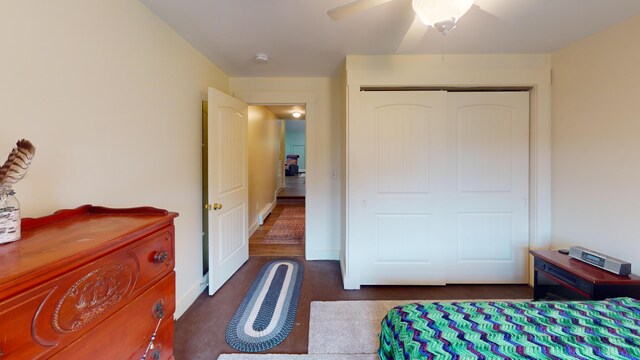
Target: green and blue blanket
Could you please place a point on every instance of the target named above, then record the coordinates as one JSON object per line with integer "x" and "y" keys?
{"x": 607, "y": 329}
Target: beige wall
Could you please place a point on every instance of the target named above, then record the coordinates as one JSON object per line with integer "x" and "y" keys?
{"x": 596, "y": 143}
{"x": 111, "y": 97}
{"x": 323, "y": 150}
{"x": 264, "y": 154}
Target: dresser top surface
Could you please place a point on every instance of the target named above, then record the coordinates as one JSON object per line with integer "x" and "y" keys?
{"x": 70, "y": 238}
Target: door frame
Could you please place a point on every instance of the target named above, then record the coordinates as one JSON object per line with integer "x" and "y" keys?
{"x": 308, "y": 99}
{"x": 205, "y": 188}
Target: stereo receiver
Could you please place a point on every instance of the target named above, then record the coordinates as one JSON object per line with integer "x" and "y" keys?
{"x": 600, "y": 260}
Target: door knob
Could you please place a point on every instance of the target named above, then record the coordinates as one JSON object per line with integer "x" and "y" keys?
{"x": 215, "y": 206}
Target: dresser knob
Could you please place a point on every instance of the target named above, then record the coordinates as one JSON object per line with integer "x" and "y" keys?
{"x": 158, "y": 309}
{"x": 160, "y": 257}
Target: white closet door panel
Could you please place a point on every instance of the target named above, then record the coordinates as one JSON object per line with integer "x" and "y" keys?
{"x": 403, "y": 149}
{"x": 488, "y": 166}
{"x": 397, "y": 232}
{"x": 485, "y": 237}
{"x": 485, "y": 148}
{"x": 399, "y": 183}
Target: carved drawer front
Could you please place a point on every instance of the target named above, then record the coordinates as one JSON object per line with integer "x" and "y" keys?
{"x": 50, "y": 316}
{"x": 155, "y": 256}
{"x": 130, "y": 328}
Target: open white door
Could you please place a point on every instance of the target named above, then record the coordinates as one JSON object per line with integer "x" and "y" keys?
{"x": 228, "y": 187}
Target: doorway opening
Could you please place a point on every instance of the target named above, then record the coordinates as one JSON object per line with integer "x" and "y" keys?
{"x": 295, "y": 159}
{"x": 277, "y": 179}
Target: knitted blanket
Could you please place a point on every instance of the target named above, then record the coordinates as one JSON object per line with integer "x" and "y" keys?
{"x": 607, "y": 329}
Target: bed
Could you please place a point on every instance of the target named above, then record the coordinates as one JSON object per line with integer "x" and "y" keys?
{"x": 608, "y": 329}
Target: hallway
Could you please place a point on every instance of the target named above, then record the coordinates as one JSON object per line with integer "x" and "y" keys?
{"x": 295, "y": 186}
{"x": 257, "y": 245}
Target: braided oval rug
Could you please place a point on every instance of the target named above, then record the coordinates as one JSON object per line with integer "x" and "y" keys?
{"x": 267, "y": 312}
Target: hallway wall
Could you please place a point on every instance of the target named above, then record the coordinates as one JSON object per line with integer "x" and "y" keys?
{"x": 264, "y": 135}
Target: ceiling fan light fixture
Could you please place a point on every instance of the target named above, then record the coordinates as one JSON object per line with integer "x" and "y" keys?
{"x": 262, "y": 58}
{"x": 441, "y": 14}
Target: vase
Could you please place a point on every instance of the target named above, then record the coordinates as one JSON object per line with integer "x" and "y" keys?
{"x": 9, "y": 216}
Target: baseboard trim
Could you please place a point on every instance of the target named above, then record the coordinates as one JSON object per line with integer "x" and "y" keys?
{"x": 322, "y": 254}
{"x": 183, "y": 304}
{"x": 343, "y": 263}
{"x": 350, "y": 284}
{"x": 273, "y": 205}
{"x": 253, "y": 227}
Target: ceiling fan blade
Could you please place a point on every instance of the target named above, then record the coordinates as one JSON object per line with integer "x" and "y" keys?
{"x": 342, "y": 12}
{"x": 413, "y": 36}
{"x": 501, "y": 9}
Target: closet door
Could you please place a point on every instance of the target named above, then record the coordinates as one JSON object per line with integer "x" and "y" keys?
{"x": 438, "y": 188}
{"x": 488, "y": 197}
{"x": 397, "y": 187}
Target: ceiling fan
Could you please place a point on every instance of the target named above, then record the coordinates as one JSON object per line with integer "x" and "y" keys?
{"x": 439, "y": 14}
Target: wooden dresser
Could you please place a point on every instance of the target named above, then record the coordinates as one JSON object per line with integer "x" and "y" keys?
{"x": 558, "y": 276}
{"x": 89, "y": 283}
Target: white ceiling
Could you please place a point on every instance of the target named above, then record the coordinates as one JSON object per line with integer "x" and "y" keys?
{"x": 301, "y": 40}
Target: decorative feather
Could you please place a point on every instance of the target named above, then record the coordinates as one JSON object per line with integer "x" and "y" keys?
{"x": 17, "y": 163}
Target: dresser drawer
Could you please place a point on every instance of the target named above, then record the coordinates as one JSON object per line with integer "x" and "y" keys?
{"x": 137, "y": 321}
{"x": 15, "y": 330}
{"x": 40, "y": 321}
{"x": 163, "y": 345}
{"x": 155, "y": 257}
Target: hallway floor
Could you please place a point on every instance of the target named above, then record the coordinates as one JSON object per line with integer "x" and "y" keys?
{"x": 295, "y": 186}
{"x": 258, "y": 248}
